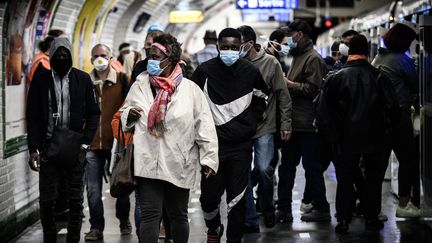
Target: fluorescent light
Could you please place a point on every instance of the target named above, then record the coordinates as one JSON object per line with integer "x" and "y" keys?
{"x": 186, "y": 16}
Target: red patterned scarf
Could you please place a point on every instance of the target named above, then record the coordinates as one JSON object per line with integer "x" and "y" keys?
{"x": 166, "y": 87}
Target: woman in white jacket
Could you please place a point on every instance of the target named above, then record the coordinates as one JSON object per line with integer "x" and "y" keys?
{"x": 173, "y": 133}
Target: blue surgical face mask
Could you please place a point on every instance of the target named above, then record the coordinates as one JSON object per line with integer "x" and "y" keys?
{"x": 291, "y": 43}
{"x": 243, "y": 51}
{"x": 283, "y": 51}
{"x": 153, "y": 67}
{"x": 229, "y": 57}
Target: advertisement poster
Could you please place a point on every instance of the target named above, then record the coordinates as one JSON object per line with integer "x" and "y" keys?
{"x": 26, "y": 25}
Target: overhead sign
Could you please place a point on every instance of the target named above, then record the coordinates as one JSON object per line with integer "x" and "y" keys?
{"x": 266, "y": 15}
{"x": 186, "y": 16}
{"x": 266, "y": 4}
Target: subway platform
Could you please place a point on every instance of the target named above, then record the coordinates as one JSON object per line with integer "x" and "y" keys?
{"x": 395, "y": 229}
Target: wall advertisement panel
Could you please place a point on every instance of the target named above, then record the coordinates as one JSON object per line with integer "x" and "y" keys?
{"x": 26, "y": 23}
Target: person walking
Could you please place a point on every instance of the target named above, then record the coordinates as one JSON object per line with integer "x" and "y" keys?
{"x": 63, "y": 97}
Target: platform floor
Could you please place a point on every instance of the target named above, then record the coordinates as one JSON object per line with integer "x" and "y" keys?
{"x": 395, "y": 230}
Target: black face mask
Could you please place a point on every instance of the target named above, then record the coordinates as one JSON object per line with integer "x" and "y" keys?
{"x": 61, "y": 66}
{"x": 147, "y": 52}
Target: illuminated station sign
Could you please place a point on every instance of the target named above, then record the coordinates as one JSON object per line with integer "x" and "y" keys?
{"x": 266, "y": 4}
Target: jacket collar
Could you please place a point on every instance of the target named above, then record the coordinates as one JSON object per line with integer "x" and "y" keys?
{"x": 360, "y": 62}
{"x": 112, "y": 77}
{"x": 259, "y": 55}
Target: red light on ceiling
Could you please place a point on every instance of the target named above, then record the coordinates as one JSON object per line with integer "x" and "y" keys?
{"x": 328, "y": 23}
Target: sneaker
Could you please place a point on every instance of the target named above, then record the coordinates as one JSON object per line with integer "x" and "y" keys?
{"x": 409, "y": 211}
{"x": 214, "y": 236}
{"x": 270, "y": 220}
{"x": 284, "y": 217}
{"x": 306, "y": 207}
{"x": 382, "y": 217}
{"x": 93, "y": 235}
{"x": 251, "y": 229}
{"x": 125, "y": 227}
{"x": 316, "y": 216}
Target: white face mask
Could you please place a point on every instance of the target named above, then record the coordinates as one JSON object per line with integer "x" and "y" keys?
{"x": 100, "y": 64}
{"x": 343, "y": 49}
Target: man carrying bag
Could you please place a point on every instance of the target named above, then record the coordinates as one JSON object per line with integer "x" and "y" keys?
{"x": 62, "y": 115}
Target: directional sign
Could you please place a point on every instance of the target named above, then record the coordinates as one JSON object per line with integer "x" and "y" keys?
{"x": 266, "y": 4}
{"x": 264, "y": 15}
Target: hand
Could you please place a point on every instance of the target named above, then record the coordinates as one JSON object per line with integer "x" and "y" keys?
{"x": 285, "y": 135}
{"x": 208, "y": 171}
{"x": 34, "y": 161}
{"x": 134, "y": 114}
{"x": 288, "y": 82}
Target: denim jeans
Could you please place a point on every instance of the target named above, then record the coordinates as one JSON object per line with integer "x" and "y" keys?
{"x": 263, "y": 155}
{"x": 304, "y": 146}
{"x": 94, "y": 175}
{"x": 137, "y": 213}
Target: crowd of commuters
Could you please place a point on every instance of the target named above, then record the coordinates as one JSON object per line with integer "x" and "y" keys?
{"x": 222, "y": 117}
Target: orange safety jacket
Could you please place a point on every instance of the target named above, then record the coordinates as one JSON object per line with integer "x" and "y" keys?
{"x": 43, "y": 59}
{"x": 115, "y": 123}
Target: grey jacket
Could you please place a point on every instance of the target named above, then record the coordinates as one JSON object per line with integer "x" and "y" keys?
{"x": 307, "y": 71}
{"x": 278, "y": 111}
{"x": 401, "y": 71}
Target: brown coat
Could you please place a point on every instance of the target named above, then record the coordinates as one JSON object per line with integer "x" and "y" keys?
{"x": 110, "y": 96}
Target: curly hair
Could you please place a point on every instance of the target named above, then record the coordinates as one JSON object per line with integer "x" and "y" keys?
{"x": 170, "y": 43}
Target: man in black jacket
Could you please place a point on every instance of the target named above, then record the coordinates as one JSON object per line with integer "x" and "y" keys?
{"x": 363, "y": 106}
{"x": 70, "y": 92}
{"x": 236, "y": 93}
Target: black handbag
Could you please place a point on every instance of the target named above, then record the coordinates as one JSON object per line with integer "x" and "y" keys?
{"x": 122, "y": 178}
{"x": 64, "y": 147}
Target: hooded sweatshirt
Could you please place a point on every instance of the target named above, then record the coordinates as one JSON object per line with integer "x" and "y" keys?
{"x": 61, "y": 87}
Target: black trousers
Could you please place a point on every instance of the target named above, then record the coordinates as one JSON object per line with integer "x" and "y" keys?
{"x": 404, "y": 146}
{"x": 347, "y": 166}
{"x": 51, "y": 173}
{"x": 156, "y": 194}
{"x": 231, "y": 177}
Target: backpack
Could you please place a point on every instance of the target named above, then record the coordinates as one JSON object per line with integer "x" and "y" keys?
{"x": 324, "y": 122}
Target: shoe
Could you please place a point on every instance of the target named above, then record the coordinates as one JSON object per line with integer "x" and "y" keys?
{"x": 284, "y": 217}
{"x": 342, "y": 227}
{"x": 214, "y": 236}
{"x": 373, "y": 225}
{"x": 306, "y": 207}
{"x": 93, "y": 235}
{"x": 251, "y": 229}
{"x": 316, "y": 216}
{"x": 270, "y": 220}
{"x": 409, "y": 211}
{"x": 382, "y": 217}
{"x": 125, "y": 227}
